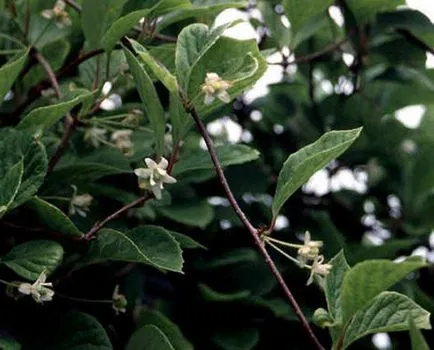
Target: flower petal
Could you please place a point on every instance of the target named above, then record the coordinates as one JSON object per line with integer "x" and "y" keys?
{"x": 163, "y": 163}
{"x": 25, "y": 288}
{"x": 156, "y": 190}
{"x": 169, "y": 179}
{"x": 143, "y": 172}
{"x": 208, "y": 99}
{"x": 150, "y": 163}
{"x": 224, "y": 96}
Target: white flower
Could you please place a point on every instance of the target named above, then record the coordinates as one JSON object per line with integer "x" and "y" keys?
{"x": 309, "y": 250}
{"x": 94, "y": 136}
{"x": 80, "y": 204}
{"x": 119, "y": 301}
{"x": 59, "y": 14}
{"x": 38, "y": 290}
{"x": 318, "y": 268}
{"x": 215, "y": 86}
{"x": 122, "y": 140}
{"x": 155, "y": 176}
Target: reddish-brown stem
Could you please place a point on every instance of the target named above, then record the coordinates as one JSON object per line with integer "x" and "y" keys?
{"x": 173, "y": 157}
{"x": 73, "y": 4}
{"x": 100, "y": 224}
{"x": 252, "y": 230}
{"x": 50, "y": 73}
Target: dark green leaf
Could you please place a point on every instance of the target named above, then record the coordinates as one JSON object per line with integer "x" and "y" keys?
{"x": 300, "y": 166}
{"x": 150, "y": 245}
{"x": 149, "y": 338}
{"x": 227, "y": 154}
{"x": 150, "y": 99}
{"x": 236, "y": 339}
{"x": 371, "y": 278}
{"x": 387, "y": 312}
{"x": 30, "y": 259}
{"x": 9, "y": 73}
{"x": 418, "y": 342}
{"x": 197, "y": 213}
{"x": 54, "y": 218}
{"x": 170, "y": 329}
{"x": 9, "y": 186}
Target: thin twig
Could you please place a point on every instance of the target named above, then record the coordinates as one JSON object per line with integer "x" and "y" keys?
{"x": 51, "y": 75}
{"x": 252, "y": 230}
{"x": 100, "y": 224}
{"x": 73, "y": 4}
{"x": 314, "y": 56}
{"x": 164, "y": 37}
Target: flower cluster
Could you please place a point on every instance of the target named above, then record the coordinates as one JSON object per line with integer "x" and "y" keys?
{"x": 307, "y": 252}
{"x": 122, "y": 141}
{"x": 215, "y": 87}
{"x": 59, "y": 14}
{"x": 119, "y": 301}
{"x": 155, "y": 176}
{"x": 80, "y": 203}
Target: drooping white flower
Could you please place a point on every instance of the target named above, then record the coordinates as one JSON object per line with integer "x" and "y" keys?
{"x": 154, "y": 176}
{"x": 122, "y": 140}
{"x": 95, "y": 136}
{"x": 59, "y": 14}
{"x": 216, "y": 87}
{"x": 80, "y": 204}
{"x": 309, "y": 250}
{"x": 38, "y": 290}
{"x": 318, "y": 269}
{"x": 119, "y": 301}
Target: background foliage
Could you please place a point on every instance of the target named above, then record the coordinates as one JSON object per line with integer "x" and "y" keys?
{"x": 185, "y": 263}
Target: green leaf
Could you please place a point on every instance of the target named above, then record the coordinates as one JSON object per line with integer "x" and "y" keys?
{"x": 9, "y": 186}
{"x": 193, "y": 43}
{"x": 418, "y": 342}
{"x": 227, "y": 154}
{"x": 53, "y": 217}
{"x": 300, "y": 12}
{"x": 149, "y": 338}
{"x": 122, "y": 25}
{"x": 371, "y": 278}
{"x": 97, "y": 16}
{"x": 79, "y": 331}
{"x": 365, "y": 11}
{"x": 151, "y": 101}
{"x": 29, "y": 259}
{"x": 387, "y": 312}
{"x": 238, "y": 61}
{"x": 156, "y": 68}
{"x": 210, "y": 294}
{"x": 196, "y": 213}
{"x": 42, "y": 118}
{"x": 301, "y": 165}
{"x": 200, "y": 9}
{"x": 170, "y": 329}
{"x": 333, "y": 284}
{"x": 9, "y": 73}
{"x": 236, "y": 339}
{"x": 150, "y": 245}
{"x": 186, "y": 242}
{"x": 19, "y": 146}
{"x": 181, "y": 120}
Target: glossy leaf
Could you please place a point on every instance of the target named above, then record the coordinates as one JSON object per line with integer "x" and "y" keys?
{"x": 333, "y": 285}
{"x": 301, "y": 165}
{"x": 53, "y": 217}
{"x": 198, "y": 213}
{"x": 169, "y": 328}
{"x": 387, "y": 312}
{"x": 31, "y": 258}
{"x": 156, "y": 68}
{"x": 149, "y": 338}
{"x": 365, "y": 11}
{"x": 150, "y": 245}
{"x": 228, "y": 155}
{"x": 9, "y": 73}
{"x": 9, "y": 186}
{"x": 371, "y": 278}
{"x": 42, "y": 118}
{"x": 97, "y": 16}
{"x": 150, "y": 99}
{"x": 19, "y": 146}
